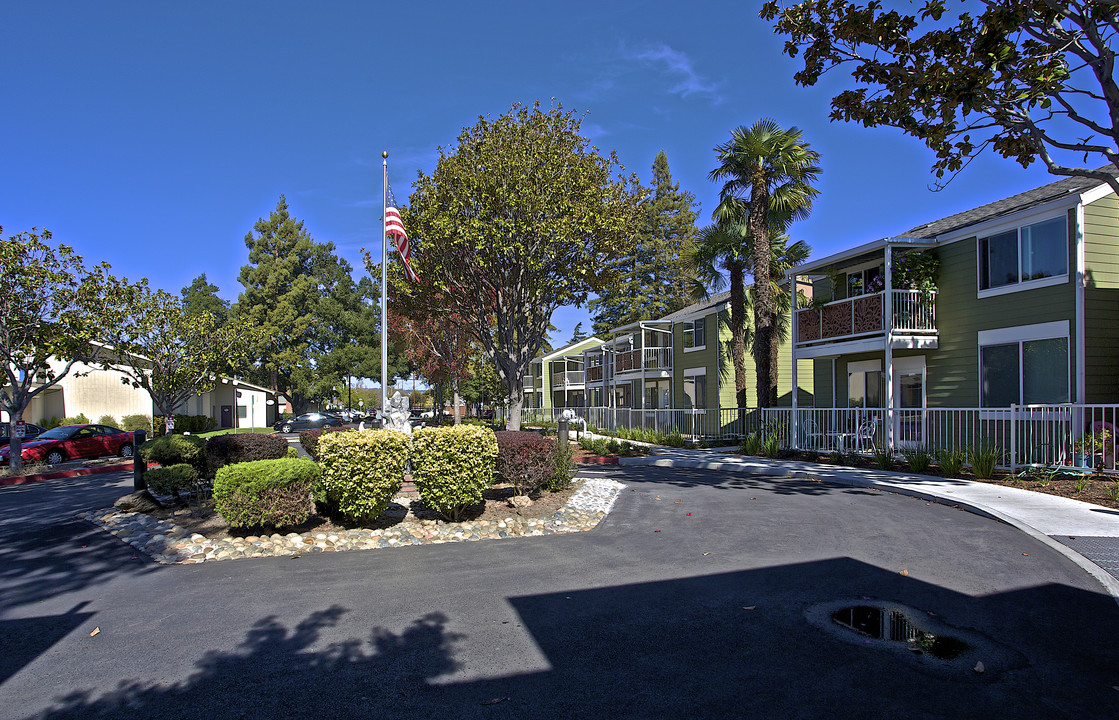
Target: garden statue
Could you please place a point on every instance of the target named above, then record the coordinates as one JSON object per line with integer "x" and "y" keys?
{"x": 398, "y": 414}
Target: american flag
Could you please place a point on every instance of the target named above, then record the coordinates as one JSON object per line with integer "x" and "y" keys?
{"x": 394, "y": 228}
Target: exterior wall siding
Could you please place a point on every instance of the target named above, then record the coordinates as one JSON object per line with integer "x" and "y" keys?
{"x": 953, "y": 369}
{"x": 1101, "y": 300}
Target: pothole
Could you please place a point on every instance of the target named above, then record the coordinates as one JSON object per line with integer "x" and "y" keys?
{"x": 917, "y": 637}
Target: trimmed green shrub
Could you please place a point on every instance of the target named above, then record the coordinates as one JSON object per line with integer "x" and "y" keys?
{"x": 362, "y": 471}
{"x": 79, "y": 419}
{"x": 107, "y": 420}
{"x": 222, "y": 450}
{"x": 276, "y": 493}
{"x": 524, "y": 460}
{"x": 453, "y": 466}
{"x": 563, "y": 467}
{"x": 136, "y": 422}
{"x": 50, "y": 424}
{"x": 309, "y": 439}
{"x": 292, "y": 452}
{"x": 171, "y": 479}
{"x": 175, "y": 450}
{"x": 675, "y": 438}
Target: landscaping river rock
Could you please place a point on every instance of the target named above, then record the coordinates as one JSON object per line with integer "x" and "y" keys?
{"x": 168, "y": 543}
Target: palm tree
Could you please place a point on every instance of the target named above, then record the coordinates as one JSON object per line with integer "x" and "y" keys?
{"x": 768, "y": 173}
{"x": 720, "y": 248}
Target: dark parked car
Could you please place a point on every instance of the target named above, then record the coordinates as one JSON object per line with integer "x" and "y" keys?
{"x": 30, "y": 432}
{"x": 75, "y": 442}
{"x": 309, "y": 421}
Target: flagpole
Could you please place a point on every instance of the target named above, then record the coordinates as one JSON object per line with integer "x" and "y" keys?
{"x": 384, "y": 287}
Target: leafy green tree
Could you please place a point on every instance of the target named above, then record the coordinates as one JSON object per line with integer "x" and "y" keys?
{"x": 51, "y": 315}
{"x": 768, "y": 173}
{"x": 652, "y": 281}
{"x": 1031, "y": 79}
{"x": 520, "y": 218}
{"x": 167, "y": 351}
{"x": 202, "y": 296}
{"x": 720, "y": 249}
{"x": 578, "y": 334}
{"x": 299, "y": 295}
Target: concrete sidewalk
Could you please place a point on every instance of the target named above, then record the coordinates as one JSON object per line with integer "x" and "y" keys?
{"x": 1087, "y": 534}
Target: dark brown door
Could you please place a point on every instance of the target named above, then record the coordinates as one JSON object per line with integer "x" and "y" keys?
{"x": 227, "y": 416}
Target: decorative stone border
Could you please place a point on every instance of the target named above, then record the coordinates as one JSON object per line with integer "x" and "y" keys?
{"x": 167, "y": 543}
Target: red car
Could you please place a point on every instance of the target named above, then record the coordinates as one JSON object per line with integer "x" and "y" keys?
{"x": 74, "y": 442}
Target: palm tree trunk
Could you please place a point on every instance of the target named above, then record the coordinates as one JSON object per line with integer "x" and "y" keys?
{"x": 738, "y": 331}
{"x": 763, "y": 296}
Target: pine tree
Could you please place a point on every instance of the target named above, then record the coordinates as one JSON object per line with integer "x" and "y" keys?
{"x": 654, "y": 280}
{"x": 577, "y": 334}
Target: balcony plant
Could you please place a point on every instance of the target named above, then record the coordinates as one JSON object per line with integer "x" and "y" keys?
{"x": 915, "y": 270}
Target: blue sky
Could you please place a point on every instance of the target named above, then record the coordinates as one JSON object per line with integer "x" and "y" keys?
{"x": 153, "y": 135}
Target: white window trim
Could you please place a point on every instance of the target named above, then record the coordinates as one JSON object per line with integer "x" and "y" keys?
{"x": 696, "y": 372}
{"x": 1017, "y": 226}
{"x": 1056, "y": 330}
{"x": 864, "y": 366}
{"x": 683, "y": 330}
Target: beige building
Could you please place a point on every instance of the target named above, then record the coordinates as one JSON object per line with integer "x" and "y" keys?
{"x": 93, "y": 391}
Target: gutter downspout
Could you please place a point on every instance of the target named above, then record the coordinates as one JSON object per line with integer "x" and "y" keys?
{"x": 888, "y": 316}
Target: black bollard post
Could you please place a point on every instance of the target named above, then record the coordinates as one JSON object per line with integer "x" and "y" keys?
{"x": 561, "y": 430}
{"x": 138, "y": 464}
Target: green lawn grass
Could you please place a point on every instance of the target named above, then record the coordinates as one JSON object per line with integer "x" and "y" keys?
{"x": 226, "y": 431}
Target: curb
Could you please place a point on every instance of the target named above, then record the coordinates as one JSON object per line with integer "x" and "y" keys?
{"x": 597, "y": 460}
{"x": 23, "y": 479}
{"x": 1109, "y": 583}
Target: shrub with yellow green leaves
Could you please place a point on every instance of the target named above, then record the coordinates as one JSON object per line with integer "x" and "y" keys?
{"x": 362, "y": 471}
{"x": 453, "y": 466}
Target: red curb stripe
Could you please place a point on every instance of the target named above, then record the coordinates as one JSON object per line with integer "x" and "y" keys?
{"x": 597, "y": 461}
{"x": 69, "y": 473}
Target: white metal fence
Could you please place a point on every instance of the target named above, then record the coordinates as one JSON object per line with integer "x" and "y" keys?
{"x": 1067, "y": 434}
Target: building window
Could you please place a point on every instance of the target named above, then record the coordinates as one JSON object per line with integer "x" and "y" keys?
{"x": 622, "y": 395}
{"x": 242, "y": 412}
{"x": 1025, "y": 372}
{"x": 866, "y": 384}
{"x": 866, "y": 281}
{"x": 1032, "y": 252}
{"x": 695, "y": 392}
{"x": 694, "y": 335}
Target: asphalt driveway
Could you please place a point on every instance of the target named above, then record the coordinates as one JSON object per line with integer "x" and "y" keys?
{"x": 698, "y": 596}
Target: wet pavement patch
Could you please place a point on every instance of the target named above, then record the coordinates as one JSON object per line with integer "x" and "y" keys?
{"x": 915, "y": 636}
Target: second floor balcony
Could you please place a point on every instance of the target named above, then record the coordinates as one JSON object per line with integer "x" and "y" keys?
{"x": 567, "y": 378}
{"x": 651, "y": 359}
{"x": 913, "y": 312}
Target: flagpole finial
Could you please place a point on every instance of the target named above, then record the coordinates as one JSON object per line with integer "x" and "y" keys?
{"x": 385, "y": 153}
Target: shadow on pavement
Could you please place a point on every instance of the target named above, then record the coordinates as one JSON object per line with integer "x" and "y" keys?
{"x": 733, "y": 481}
{"x": 46, "y": 551}
{"x": 734, "y": 644}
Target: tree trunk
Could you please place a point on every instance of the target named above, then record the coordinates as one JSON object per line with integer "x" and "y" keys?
{"x": 763, "y": 293}
{"x": 774, "y": 368}
{"x": 15, "y": 447}
{"x": 738, "y": 333}
{"x": 516, "y": 402}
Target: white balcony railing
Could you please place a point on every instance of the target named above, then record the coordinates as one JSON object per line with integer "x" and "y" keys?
{"x": 567, "y": 378}
{"x": 654, "y": 358}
